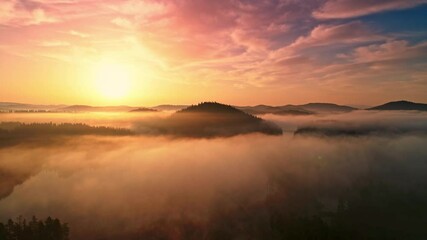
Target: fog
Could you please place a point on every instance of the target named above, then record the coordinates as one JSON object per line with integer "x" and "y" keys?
{"x": 241, "y": 187}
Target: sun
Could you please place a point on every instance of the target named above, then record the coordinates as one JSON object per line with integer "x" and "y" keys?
{"x": 113, "y": 80}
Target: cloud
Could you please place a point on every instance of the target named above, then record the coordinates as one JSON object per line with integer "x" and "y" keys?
{"x": 78, "y": 34}
{"x": 295, "y": 62}
{"x": 122, "y": 22}
{"x": 21, "y": 13}
{"x": 142, "y": 9}
{"x": 183, "y": 31}
{"x": 235, "y": 44}
{"x": 6, "y": 11}
{"x": 249, "y": 41}
{"x": 347, "y": 33}
{"x": 335, "y": 9}
{"x": 54, "y": 44}
{"x": 39, "y": 16}
{"x": 390, "y": 50}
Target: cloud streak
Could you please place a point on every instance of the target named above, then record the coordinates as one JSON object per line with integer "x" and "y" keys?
{"x": 352, "y": 32}
{"x": 335, "y": 9}
{"x": 18, "y": 13}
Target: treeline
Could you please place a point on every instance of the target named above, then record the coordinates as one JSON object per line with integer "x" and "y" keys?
{"x": 368, "y": 211}
{"x": 14, "y": 133}
{"x": 219, "y": 108}
{"x": 17, "y": 128}
{"x": 34, "y": 229}
{"x": 209, "y": 120}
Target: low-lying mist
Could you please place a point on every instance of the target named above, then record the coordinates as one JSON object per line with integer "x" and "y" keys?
{"x": 249, "y": 186}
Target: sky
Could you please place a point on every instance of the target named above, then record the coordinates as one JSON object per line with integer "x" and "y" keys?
{"x": 243, "y": 52}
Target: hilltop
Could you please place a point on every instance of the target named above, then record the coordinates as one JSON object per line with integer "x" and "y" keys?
{"x": 169, "y": 107}
{"x": 211, "y": 119}
{"x": 298, "y": 110}
{"x": 326, "y": 107}
{"x": 279, "y": 110}
{"x": 401, "y": 105}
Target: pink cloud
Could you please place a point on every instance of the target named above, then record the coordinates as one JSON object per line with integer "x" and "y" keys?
{"x": 122, "y": 22}
{"x": 335, "y": 9}
{"x": 78, "y": 34}
{"x": 327, "y": 35}
{"x": 239, "y": 42}
{"x": 390, "y": 50}
{"x": 250, "y": 40}
{"x": 16, "y": 13}
{"x": 352, "y": 32}
{"x": 200, "y": 30}
{"x": 179, "y": 30}
{"x": 55, "y": 44}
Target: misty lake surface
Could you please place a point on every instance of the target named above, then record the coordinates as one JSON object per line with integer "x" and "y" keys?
{"x": 108, "y": 186}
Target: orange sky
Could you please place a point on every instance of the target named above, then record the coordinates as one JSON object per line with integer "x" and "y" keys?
{"x": 148, "y": 52}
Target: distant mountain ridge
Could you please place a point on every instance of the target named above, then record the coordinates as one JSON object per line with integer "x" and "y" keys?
{"x": 169, "y": 107}
{"x": 292, "y": 110}
{"x": 401, "y": 105}
{"x": 326, "y": 107}
{"x": 23, "y": 107}
{"x": 143, "y": 109}
{"x": 5, "y": 106}
{"x": 87, "y": 108}
{"x": 305, "y": 109}
{"x": 279, "y": 110}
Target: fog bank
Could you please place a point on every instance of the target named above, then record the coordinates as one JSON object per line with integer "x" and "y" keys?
{"x": 224, "y": 188}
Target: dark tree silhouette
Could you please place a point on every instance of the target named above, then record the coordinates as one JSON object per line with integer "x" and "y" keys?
{"x": 20, "y": 229}
{"x": 13, "y": 133}
{"x": 211, "y": 119}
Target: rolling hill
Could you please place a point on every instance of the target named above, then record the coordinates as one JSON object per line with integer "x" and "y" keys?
{"x": 305, "y": 109}
{"x": 87, "y": 108}
{"x": 143, "y": 109}
{"x": 401, "y": 105}
{"x": 12, "y": 106}
{"x": 297, "y": 110}
{"x": 326, "y": 107}
{"x": 169, "y": 107}
{"x": 279, "y": 110}
{"x": 211, "y": 119}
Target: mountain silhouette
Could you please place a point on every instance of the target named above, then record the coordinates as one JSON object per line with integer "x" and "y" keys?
{"x": 326, "y": 107}
{"x": 24, "y": 107}
{"x": 211, "y": 119}
{"x": 87, "y": 108}
{"x": 305, "y": 109}
{"x": 169, "y": 107}
{"x": 401, "y": 105}
{"x": 143, "y": 109}
{"x": 279, "y": 110}
{"x": 294, "y": 112}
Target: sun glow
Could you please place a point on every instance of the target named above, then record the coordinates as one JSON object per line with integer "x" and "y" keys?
{"x": 113, "y": 80}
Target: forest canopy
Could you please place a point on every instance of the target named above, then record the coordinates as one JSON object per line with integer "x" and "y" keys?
{"x": 34, "y": 229}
